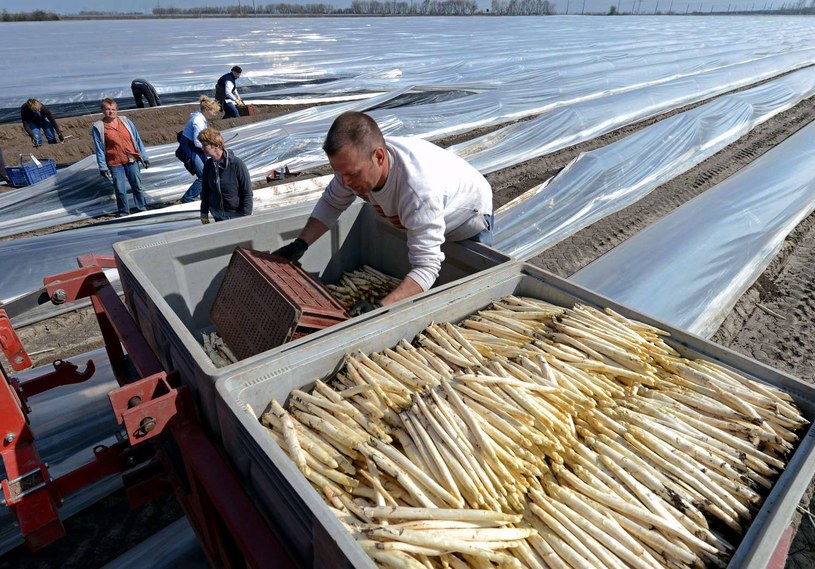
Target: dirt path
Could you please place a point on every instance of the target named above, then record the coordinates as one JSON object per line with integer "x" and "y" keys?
{"x": 774, "y": 322}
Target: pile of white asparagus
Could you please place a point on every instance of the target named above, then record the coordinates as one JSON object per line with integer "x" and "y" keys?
{"x": 217, "y": 350}
{"x": 365, "y": 283}
{"x": 532, "y": 435}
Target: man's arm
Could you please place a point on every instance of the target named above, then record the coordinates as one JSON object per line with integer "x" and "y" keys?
{"x": 99, "y": 150}
{"x": 48, "y": 115}
{"x": 24, "y": 120}
{"x": 138, "y": 142}
{"x": 313, "y": 230}
{"x": 245, "y": 189}
{"x": 231, "y": 91}
{"x": 407, "y": 288}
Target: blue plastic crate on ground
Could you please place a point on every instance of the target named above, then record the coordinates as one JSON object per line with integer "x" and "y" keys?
{"x": 29, "y": 173}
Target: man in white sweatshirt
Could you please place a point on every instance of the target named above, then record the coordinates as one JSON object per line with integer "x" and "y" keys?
{"x": 432, "y": 194}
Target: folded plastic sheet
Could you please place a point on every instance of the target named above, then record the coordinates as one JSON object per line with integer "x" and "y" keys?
{"x": 690, "y": 267}
{"x": 174, "y": 547}
{"x": 572, "y": 123}
{"x": 610, "y": 178}
{"x": 295, "y": 139}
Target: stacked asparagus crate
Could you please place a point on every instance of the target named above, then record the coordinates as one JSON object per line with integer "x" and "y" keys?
{"x": 530, "y": 435}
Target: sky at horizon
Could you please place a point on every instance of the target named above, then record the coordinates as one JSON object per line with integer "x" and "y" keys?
{"x": 562, "y": 6}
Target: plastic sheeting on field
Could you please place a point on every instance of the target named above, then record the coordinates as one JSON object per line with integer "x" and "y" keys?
{"x": 611, "y": 178}
{"x": 295, "y": 139}
{"x": 574, "y": 123}
{"x": 690, "y": 267}
{"x": 350, "y": 54}
{"x": 57, "y": 252}
{"x": 174, "y": 547}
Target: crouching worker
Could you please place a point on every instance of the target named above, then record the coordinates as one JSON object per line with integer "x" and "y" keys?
{"x": 432, "y": 194}
{"x": 38, "y": 120}
{"x": 189, "y": 150}
{"x": 226, "y": 189}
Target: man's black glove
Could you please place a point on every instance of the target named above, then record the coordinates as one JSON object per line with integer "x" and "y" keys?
{"x": 363, "y": 306}
{"x": 146, "y": 164}
{"x": 35, "y": 143}
{"x": 61, "y": 137}
{"x": 293, "y": 251}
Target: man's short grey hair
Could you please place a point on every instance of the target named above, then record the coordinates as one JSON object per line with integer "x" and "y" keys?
{"x": 355, "y": 128}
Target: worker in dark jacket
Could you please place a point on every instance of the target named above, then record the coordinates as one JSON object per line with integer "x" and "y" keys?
{"x": 226, "y": 189}
{"x": 143, "y": 90}
{"x": 37, "y": 119}
{"x": 226, "y": 92}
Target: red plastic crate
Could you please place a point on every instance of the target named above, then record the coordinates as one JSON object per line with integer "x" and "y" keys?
{"x": 265, "y": 301}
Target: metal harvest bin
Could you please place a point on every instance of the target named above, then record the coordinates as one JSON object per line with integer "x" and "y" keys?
{"x": 170, "y": 280}
{"x": 298, "y": 513}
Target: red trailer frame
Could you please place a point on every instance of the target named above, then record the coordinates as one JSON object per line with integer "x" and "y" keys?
{"x": 154, "y": 409}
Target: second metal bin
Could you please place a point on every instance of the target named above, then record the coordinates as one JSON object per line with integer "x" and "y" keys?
{"x": 299, "y": 514}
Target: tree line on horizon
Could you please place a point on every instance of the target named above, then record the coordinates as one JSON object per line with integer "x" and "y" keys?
{"x": 35, "y": 16}
{"x": 380, "y": 8}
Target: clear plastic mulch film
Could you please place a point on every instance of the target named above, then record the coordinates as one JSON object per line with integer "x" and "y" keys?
{"x": 610, "y": 178}
{"x": 690, "y": 267}
{"x": 316, "y": 55}
{"x": 294, "y": 140}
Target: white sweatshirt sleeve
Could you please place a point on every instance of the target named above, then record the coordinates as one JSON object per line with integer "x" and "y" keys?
{"x": 335, "y": 199}
{"x": 231, "y": 91}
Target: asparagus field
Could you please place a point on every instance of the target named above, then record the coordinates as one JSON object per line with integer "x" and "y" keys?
{"x": 530, "y": 435}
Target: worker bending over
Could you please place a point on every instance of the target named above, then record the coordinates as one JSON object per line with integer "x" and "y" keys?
{"x": 226, "y": 92}
{"x": 432, "y": 194}
{"x": 143, "y": 91}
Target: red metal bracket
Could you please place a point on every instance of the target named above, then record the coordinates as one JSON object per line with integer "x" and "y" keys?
{"x": 232, "y": 531}
{"x": 145, "y": 407}
{"x": 11, "y": 346}
{"x": 65, "y": 373}
{"x": 93, "y": 259}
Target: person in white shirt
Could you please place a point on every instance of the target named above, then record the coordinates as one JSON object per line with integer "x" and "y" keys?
{"x": 189, "y": 150}
{"x": 432, "y": 194}
{"x": 226, "y": 92}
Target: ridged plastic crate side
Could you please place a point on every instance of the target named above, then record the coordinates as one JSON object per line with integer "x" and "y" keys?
{"x": 292, "y": 513}
{"x": 245, "y": 437}
{"x": 178, "y": 274}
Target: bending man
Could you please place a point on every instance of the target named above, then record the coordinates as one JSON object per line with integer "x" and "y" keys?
{"x": 226, "y": 92}
{"x": 142, "y": 90}
{"x": 432, "y": 194}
